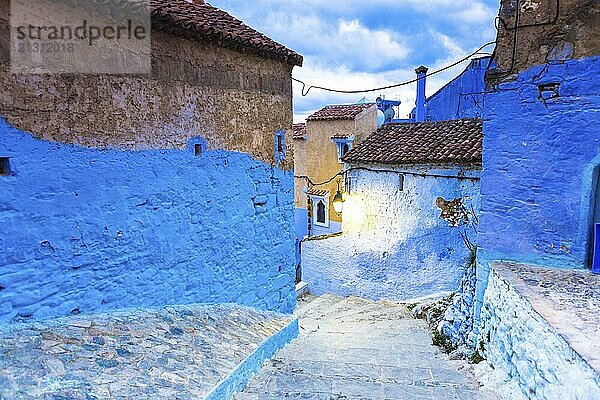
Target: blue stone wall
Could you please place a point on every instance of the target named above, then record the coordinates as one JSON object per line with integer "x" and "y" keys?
{"x": 85, "y": 230}
{"x": 541, "y": 147}
{"x": 301, "y": 230}
{"x": 461, "y": 98}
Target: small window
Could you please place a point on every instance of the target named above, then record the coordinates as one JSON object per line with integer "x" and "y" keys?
{"x": 279, "y": 146}
{"x": 350, "y": 181}
{"x": 4, "y": 166}
{"x": 197, "y": 150}
{"x": 401, "y": 182}
{"x": 343, "y": 146}
{"x": 321, "y": 212}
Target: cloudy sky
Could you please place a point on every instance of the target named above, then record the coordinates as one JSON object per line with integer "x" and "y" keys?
{"x": 358, "y": 44}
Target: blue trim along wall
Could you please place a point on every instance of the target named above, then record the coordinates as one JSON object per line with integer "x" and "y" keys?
{"x": 85, "y": 230}
{"x": 237, "y": 380}
{"x": 541, "y": 151}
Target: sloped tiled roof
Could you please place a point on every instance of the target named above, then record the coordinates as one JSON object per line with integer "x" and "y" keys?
{"x": 346, "y": 111}
{"x": 299, "y": 131}
{"x": 318, "y": 192}
{"x": 209, "y": 23}
{"x": 438, "y": 143}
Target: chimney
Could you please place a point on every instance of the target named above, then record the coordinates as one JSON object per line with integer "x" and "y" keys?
{"x": 420, "y": 103}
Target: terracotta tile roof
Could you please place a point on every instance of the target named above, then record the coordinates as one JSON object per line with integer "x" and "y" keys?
{"x": 205, "y": 22}
{"x": 438, "y": 143}
{"x": 299, "y": 131}
{"x": 347, "y": 111}
{"x": 317, "y": 192}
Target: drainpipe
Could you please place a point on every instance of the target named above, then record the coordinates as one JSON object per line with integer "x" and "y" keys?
{"x": 420, "y": 103}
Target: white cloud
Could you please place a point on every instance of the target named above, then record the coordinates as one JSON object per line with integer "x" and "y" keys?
{"x": 357, "y": 44}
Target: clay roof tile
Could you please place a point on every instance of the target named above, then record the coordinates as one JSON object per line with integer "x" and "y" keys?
{"x": 440, "y": 143}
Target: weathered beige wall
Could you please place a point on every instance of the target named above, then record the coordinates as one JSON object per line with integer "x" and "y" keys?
{"x": 577, "y": 26}
{"x": 366, "y": 123}
{"x": 300, "y": 169}
{"x": 236, "y": 101}
{"x": 317, "y": 156}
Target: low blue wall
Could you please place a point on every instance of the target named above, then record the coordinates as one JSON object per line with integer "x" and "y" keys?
{"x": 86, "y": 230}
{"x": 541, "y": 148}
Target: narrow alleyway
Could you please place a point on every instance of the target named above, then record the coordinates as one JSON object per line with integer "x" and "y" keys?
{"x": 351, "y": 348}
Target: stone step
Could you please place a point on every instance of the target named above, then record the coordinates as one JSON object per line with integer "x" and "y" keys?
{"x": 352, "y": 348}
{"x": 439, "y": 376}
{"x": 345, "y": 305}
{"x": 352, "y": 387}
{"x": 360, "y": 311}
{"x": 316, "y": 306}
{"x": 379, "y": 314}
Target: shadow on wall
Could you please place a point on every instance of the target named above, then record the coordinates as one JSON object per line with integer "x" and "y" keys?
{"x": 376, "y": 267}
{"x": 85, "y": 230}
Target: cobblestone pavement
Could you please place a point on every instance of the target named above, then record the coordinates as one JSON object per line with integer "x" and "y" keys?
{"x": 569, "y": 300}
{"x": 361, "y": 350}
{"x": 171, "y": 353}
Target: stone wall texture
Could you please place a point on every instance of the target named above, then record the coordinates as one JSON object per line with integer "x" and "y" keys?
{"x": 106, "y": 206}
{"x": 395, "y": 244}
{"x": 541, "y": 148}
{"x": 458, "y": 321}
{"x": 235, "y": 100}
{"x": 87, "y": 230}
{"x": 530, "y": 359}
{"x": 545, "y": 33}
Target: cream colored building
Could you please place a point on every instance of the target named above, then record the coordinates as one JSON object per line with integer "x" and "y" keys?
{"x": 318, "y": 147}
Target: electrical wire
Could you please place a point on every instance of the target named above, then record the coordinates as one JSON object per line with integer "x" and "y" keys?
{"x": 341, "y": 173}
{"x": 307, "y": 88}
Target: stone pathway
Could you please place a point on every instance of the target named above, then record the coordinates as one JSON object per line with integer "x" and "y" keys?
{"x": 351, "y": 348}
{"x": 173, "y": 353}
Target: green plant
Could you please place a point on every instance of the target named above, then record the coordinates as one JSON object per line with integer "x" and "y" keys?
{"x": 442, "y": 341}
{"x": 476, "y": 358}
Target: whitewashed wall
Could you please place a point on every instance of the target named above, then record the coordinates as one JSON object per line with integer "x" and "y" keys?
{"x": 395, "y": 245}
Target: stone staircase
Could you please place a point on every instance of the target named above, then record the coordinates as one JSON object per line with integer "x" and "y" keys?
{"x": 352, "y": 348}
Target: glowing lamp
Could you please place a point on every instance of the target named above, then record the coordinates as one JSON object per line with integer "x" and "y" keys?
{"x": 338, "y": 201}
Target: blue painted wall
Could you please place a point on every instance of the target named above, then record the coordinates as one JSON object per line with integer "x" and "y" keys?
{"x": 541, "y": 150}
{"x": 462, "y": 97}
{"x": 301, "y": 230}
{"x": 85, "y": 230}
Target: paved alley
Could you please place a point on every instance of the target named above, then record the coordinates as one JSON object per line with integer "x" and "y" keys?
{"x": 351, "y": 348}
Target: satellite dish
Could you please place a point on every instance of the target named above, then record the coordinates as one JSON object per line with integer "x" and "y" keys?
{"x": 380, "y": 118}
{"x": 389, "y": 115}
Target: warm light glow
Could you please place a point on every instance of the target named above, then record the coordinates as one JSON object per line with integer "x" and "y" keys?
{"x": 338, "y": 202}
